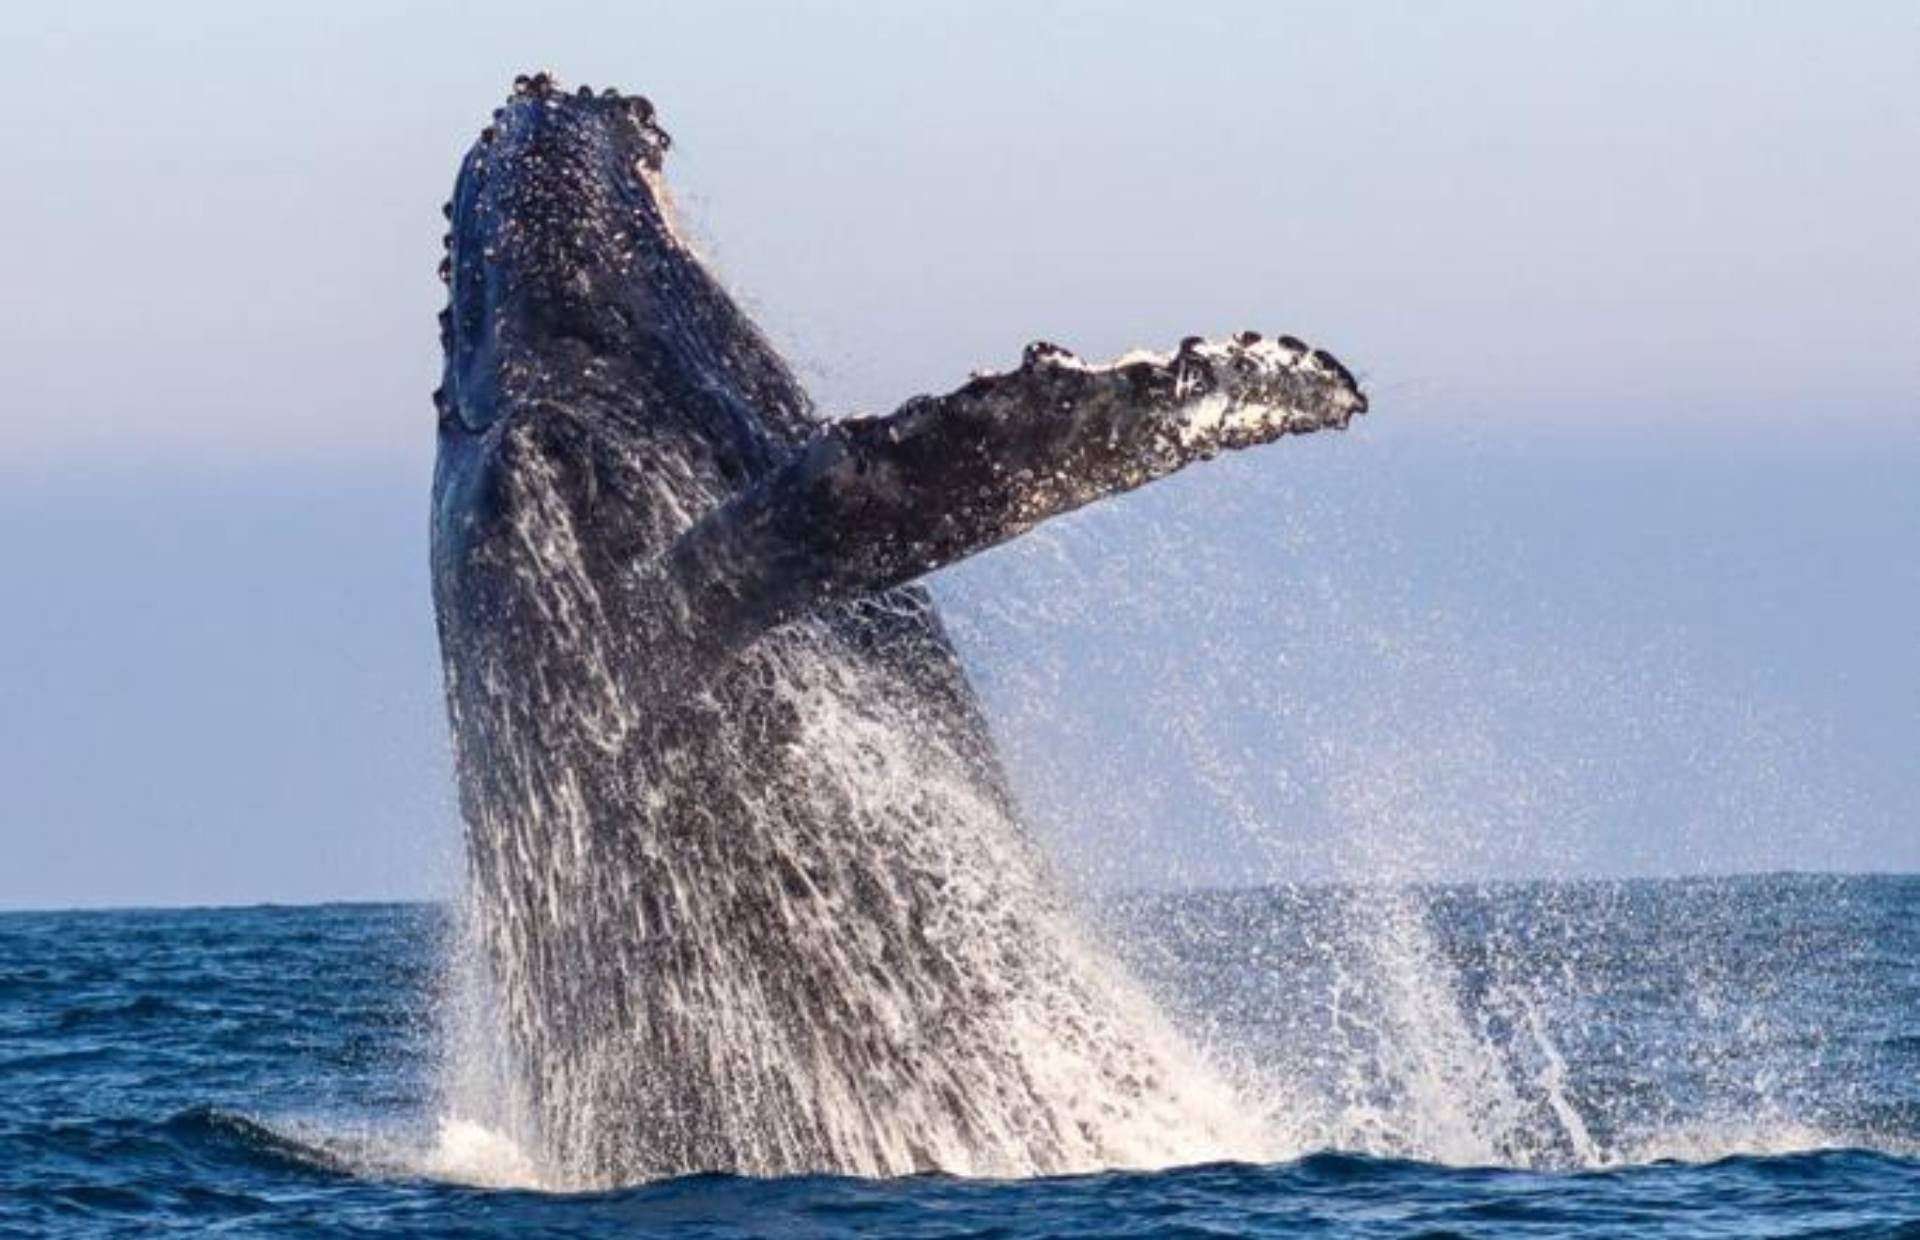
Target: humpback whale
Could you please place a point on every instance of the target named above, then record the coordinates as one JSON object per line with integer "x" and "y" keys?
{"x": 747, "y": 880}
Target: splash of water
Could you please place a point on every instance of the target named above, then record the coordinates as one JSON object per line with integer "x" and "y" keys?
{"x": 1265, "y": 696}
{"x": 803, "y": 932}
{"x": 961, "y": 1017}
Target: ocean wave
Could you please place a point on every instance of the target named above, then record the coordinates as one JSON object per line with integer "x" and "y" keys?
{"x": 266, "y": 1144}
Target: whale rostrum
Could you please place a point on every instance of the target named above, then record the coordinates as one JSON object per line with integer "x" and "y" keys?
{"x": 747, "y": 885}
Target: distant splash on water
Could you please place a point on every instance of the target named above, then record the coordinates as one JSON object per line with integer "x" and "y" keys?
{"x": 1353, "y": 1025}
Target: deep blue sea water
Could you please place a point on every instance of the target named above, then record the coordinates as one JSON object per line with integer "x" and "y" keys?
{"x": 1703, "y": 1058}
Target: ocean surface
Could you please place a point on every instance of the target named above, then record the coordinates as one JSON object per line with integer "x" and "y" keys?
{"x": 1731, "y": 1057}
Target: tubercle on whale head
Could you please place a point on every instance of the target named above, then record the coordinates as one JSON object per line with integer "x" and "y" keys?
{"x": 557, "y": 229}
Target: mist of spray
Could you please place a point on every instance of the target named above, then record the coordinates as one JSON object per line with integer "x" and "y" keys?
{"x": 1237, "y": 682}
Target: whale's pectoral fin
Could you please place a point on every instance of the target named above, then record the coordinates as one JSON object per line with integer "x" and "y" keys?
{"x": 869, "y": 503}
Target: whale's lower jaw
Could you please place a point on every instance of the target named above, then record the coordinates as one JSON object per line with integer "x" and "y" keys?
{"x": 746, "y": 884}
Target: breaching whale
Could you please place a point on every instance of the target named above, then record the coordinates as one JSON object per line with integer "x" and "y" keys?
{"x": 748, "y": 884}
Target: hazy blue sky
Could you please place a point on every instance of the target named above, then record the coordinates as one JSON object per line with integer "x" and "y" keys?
{"x": 1620, "y": 576}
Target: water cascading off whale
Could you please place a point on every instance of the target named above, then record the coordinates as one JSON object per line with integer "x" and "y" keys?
{"x": 750, "y": 887}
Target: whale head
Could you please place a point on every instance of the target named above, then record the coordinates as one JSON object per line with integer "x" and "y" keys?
{"x": 582, "y": 335}
{"x": 558, "y": 233}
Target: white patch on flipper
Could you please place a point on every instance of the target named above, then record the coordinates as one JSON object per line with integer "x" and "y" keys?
{"x": 1201, "y": 420}
{"x": 1267, "y": 355}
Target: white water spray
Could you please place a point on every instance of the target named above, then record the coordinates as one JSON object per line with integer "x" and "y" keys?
{"x": 1302, "y": 722}
{"x": 805, "y": 933}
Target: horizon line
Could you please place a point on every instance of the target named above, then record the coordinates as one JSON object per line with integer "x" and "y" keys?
{"x": 1119, "y": 893}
